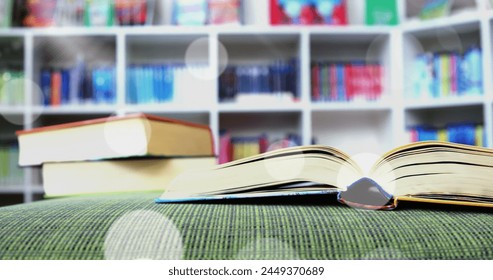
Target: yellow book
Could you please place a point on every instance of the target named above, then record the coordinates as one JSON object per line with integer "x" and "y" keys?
{"x": 430, "y": 171}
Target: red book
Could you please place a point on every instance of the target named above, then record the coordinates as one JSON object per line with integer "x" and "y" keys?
{"x": 56, "y": 88}
{"x": 225, "y": 148}
{"x": 276, "y": 14}
{"x": 377, "y": 86}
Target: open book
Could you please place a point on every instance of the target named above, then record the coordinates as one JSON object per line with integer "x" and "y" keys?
{"x": 435, "y": 172}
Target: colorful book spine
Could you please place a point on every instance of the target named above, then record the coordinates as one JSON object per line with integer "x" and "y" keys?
{"x": 308, "y": 12}
{"x": 163, "y": 83}
{"x": 190, "y": 12}
{"x": 78, "y": 85}
{"x": 225, "y": 12}
{"x": 233, "y": 148}
{"x": 343, "y": 82}
{"x": 447, "y": 74}
{"x": 463, "y": 133}
{"x": 99, "y": 13}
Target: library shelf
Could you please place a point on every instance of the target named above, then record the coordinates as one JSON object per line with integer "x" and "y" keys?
{"x": 381, "y": 124}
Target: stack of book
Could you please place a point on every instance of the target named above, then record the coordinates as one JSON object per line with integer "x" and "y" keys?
{"x": 346, "y": 81}
{"x": 115, "y": 154}
{"x": 463, "y": 133}
{"x": 10, "y": 173}
{"x": 445, "y": 74}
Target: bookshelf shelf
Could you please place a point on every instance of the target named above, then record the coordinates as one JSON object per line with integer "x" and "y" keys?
{"x": 12, "y": 189}
{"x": 350, "y": 106}
{"x": 380, "y": 124}
{"x": 455, "y": 21}
{"x": 445, "y": 102}
{"x": 245, "y": 108}
{"x": 75, "y": 109}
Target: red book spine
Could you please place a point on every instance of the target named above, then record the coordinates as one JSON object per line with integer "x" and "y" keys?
{"x": 56, "y": 88}
{"x": 275, "y": 13}
{"x": 315, "y": 82}
{"x": 360, "y": 90}
{"x": 377, "y": 81}
{"x": 333, "y": 82}
{"x": 349, "y": 81}
{"x": 369, "y": 81}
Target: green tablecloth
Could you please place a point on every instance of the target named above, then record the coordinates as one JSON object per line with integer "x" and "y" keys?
{"x": 128, "y": 226}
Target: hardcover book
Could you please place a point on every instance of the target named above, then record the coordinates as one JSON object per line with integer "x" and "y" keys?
{"x": 114, "y": 137}
{"x": 431, "y": 171}
{"x": 117, "y": 175}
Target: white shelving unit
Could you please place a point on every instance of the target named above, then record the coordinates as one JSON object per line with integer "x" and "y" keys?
{"x": 353, "y": 127}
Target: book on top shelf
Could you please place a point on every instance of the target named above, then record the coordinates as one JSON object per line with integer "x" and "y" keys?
{"x": 114, "y": 137}
{"x": 381, "y": 12}
{"x": 430, "y": 171}
{"x": 308, "y": 12}
{"x": 225, "y": 12}
{"x": 190, "y": 12}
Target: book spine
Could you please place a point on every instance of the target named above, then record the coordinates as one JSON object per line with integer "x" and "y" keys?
{"x": 45, "y": 84}
{"x": 56, "y": 84}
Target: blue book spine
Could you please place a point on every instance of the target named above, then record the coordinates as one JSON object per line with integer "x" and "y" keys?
{"x": 157, "y": 82}
{"x": 462, "y": 133}
{"x": 97, "y": 86}
{"x": 113, "y": 85}
{"x": 341, "y": 89}
{"x": 65, "y": 91}
{"x": 426, "y": 133}
{"x": 169, "y": 81}
{"x": 436, "y": 76}
{"x": 474, "y": 57}
{"x": 128, "y": 95}
{"x": 139, "y": 88}
{"x": 46, "y": 86}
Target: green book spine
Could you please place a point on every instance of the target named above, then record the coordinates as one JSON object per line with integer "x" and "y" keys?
{"x": 381, "y": 12}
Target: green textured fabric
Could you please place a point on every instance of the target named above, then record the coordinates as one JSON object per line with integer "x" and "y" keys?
{"x": 132, "y": 226}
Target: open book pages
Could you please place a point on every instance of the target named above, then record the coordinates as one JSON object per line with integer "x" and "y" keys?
{"x": 427, "y": 171}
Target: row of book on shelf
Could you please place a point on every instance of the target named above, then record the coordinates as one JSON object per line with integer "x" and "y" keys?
{"x": 160, "y": 83}
{"x": 34, "y": 13}
{"x": 78, "y": 85}
{"x": 277, "y": 79}
{"x": 462, "y": 133}
{"x": 346, "y": 81}
{"x": 444, "y": 74}
{"x": 10, "y": 173}
{"x": 238, "y": 147}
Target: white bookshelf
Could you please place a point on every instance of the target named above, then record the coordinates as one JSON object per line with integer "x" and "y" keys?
{"x": 353, "y": 127}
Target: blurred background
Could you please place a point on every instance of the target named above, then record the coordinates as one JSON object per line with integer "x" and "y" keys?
{"x": 363, "y": 76}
